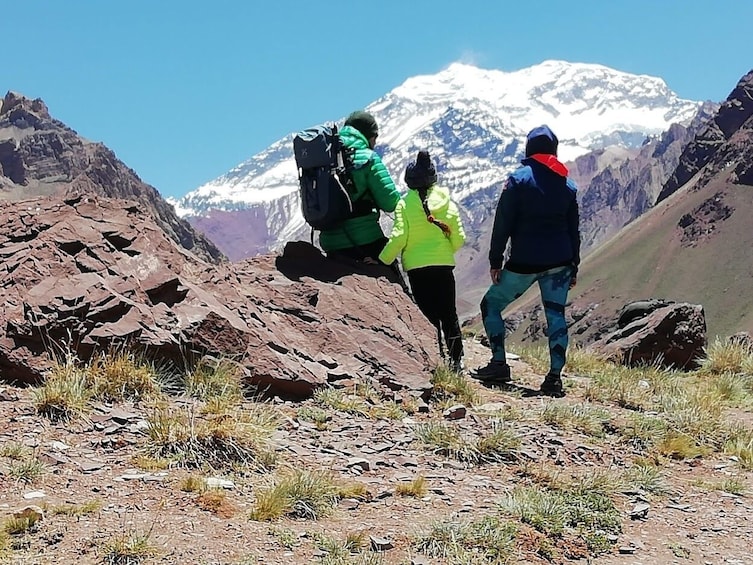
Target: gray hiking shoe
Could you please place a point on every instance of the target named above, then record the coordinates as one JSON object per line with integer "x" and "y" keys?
{"x": 494, "y": 372}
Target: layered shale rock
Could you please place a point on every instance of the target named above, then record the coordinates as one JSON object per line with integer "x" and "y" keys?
{"x": 88, "y": 273}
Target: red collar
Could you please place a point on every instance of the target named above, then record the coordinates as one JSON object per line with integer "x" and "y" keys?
{"x": 551, "y": 162}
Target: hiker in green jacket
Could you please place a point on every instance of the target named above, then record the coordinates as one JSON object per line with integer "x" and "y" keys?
{"x": 361, "y": 238}
{"x": 427, "y": 233}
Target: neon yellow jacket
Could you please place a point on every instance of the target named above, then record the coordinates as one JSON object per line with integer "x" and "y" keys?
{"x": 421, "y": 242}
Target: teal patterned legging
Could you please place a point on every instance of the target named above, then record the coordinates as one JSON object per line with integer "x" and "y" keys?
{"x": 554, "y": 285}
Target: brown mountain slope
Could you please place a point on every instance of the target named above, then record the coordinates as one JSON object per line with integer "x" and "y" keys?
{"x": 41, "y": 156}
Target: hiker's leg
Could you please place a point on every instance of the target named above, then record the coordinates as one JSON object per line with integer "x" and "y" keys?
{"x": 448, "y": 317}
{"x": 497, "y": 298}
{"x": 554, "y": 285}
{"x": 423, "y": 285}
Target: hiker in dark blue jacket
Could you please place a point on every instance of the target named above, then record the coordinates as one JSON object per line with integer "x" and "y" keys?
{"x": 538, "y": 214}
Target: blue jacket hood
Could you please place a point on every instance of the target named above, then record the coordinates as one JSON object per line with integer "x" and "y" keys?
{"x": 541, "y": 140}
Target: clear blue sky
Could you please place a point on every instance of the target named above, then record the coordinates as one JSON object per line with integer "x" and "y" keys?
{"x": 182, "y": 91}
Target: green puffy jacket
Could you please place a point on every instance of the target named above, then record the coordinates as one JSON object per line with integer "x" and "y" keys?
{"x": 373, "y": 183}
{"x": 421, "y": 242}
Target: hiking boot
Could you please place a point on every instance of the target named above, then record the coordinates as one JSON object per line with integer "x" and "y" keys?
{"x": 494, "y": 372}
{"x": 552, "y": 386}
{"x": 457, "y": 366}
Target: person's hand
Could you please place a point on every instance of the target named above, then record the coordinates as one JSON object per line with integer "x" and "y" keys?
{"x": 494, "y": 274}
{"x": 371, "y": 261}
{"x": 573, "y": 281}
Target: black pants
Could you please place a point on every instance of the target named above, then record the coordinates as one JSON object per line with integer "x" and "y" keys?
{"x": 434, "y": 292}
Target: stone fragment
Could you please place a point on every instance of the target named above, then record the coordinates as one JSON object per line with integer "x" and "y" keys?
{"x": 456, "y": 412}
{"x": 380, "y": 544}
{"x": 217, "y": 482}
{"x": 359, "y": 462}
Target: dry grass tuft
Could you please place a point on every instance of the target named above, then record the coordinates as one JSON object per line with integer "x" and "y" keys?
{"x": 17, "y": 525}
{"x": 648, "y": 478}
{"x": 740, "y": 446}
{"x": 219, "y": 440}
{"x": 587, "y": 514}
{"x": 65, "y": 394}
{"x": 415, "y": 488}
{"x": 500, "y": 444}
{"x": 84, "y": 509}
{"x": 723, "y": 356}
{"x": 584, "y": 418}
{"x": 27, "y": 470}
{"x": 298, "y": 494}
{"x": 192, "y": 483}
{"x": 680, "y": 446}
{"x": 452, "y": 388}
{"x": 119, "y": 375}
{"x": 129, "y": 548}
{"x": 213, "y": 379}
{"x": 14, "y": 450}
{"x": 485, "y": 540}
{"x": 314, "y": 414}
{"x": 339, "y": 400}
{"x": 216, "y": 502}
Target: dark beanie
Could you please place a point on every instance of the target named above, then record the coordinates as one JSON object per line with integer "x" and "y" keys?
{"x": 541, "y": 140}
{"x": 363, "y": 122}
{"x": 422, "y": 173}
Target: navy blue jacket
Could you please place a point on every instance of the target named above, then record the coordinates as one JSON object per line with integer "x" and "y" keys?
{"x": 538, "y": 213}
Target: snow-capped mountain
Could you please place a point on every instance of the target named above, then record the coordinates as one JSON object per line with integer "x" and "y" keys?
{"x": 473, "y": 121}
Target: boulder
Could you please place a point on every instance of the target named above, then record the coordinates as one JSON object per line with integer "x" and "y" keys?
{"x": 89, "y": 273}
{"x": 673, "y": 335}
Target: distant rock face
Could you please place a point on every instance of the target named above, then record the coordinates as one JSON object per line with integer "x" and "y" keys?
{"x": 622, "y": 190}
{"x": 41, "y": 156}
{"x": 714, "y": 145}
{"x": 87, "y": 273}
{"x": 671, "y": 336}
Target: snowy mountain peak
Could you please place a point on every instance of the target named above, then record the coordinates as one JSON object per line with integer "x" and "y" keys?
{"x": 473, "y": 121}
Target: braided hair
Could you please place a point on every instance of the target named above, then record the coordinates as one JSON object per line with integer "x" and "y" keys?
{"x": 421, "y": 176}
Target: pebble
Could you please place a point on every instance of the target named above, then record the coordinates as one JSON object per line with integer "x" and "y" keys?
{"x": 216, "y": 482}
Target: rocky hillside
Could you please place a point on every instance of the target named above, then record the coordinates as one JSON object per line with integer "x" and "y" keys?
{"x": 88, "y": 274}
{"x": 41, "y": 156}
{"x": 610, "y": 475}
{"x": 695, "y": 245}
{"x": 713, "y": 147}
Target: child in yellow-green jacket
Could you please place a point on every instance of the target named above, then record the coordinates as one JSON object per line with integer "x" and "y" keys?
{"x": 428, "y": 232}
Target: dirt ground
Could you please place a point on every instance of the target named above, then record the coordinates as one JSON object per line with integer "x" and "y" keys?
{"x": 94, "y": 461}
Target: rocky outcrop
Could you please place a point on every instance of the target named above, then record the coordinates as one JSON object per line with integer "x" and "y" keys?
{"x": 89, "y": 273}
{"x": 40, "y": 156}
{"x": 708, "y": 145}
{"x": 673, "y": 335}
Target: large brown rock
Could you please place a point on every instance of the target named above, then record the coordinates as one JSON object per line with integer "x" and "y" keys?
{"x": 672, "y": 335}
{"x": 88, "y": 273}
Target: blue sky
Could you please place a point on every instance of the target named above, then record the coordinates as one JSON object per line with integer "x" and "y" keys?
{"x": 183, "y": 91}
